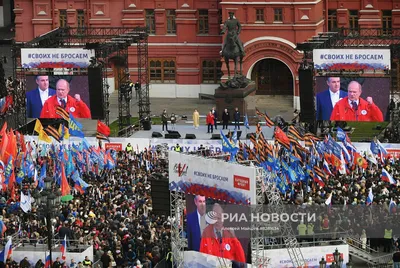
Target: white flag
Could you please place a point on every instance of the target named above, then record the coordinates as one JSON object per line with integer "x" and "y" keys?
{"x": 26, "y": 202}
{"x": 371, "y": 157}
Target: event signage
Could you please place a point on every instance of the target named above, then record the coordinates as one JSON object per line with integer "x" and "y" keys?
{"x": 56, "y": 57}
{"x": 312, "y": 255}
{"x": 114, "y": 146}
{"x": 215, "y": 179}
{"x": 351, "y": 59}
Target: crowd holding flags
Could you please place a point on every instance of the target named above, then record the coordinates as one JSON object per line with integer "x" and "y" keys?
{"x": 295, "y": 157}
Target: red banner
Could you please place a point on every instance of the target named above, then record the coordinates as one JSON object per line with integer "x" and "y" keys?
{"x": 241, "y": 182}
{"x": 115, "y": 146}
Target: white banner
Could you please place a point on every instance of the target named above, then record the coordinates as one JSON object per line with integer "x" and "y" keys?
{"x": 213, "y": 178}
{"x": 214, "y": 146}
{"x": 280, "y": 258}
{"x": 351, "y": 59}
{"x": 56, "y": 57}
{"x": 194, "y": 259}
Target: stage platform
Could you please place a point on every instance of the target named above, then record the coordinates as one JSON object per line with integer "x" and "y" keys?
{"x": 201, "y": 132}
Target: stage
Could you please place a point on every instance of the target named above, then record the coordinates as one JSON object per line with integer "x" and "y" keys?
{"x": 201, "y": 132}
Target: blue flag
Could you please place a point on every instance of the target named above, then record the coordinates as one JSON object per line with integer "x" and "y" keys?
{"x": 246, "y": 122}
{"x": 75, "y": 128}
{"x": 340, "y": 134}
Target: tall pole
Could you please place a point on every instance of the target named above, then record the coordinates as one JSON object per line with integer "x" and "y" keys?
{"x": 49, "y": 233}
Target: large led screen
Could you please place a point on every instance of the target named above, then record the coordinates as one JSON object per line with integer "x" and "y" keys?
{"x": 45, "y": 93}
{"x": 364, "y": 99}
{"x": 207, "y": 231}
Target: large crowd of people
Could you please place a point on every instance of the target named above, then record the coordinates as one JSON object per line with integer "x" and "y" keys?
{"x": 113, "y": 214}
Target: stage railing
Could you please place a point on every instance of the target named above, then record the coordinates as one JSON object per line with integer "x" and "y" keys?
{"x": 313, "y": 240}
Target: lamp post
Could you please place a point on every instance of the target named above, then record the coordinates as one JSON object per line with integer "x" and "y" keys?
{"x": 322, "y": 263}
{"x": 47, "y": 203}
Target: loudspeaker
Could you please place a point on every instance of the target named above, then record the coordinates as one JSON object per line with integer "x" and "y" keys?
{"x": 174, "y": 132}
{"x": 306, "y": 85}
{"x": 190, "y": 136}
{"x": 216, "y": 136}
{"x": 172, "y": 136}
{"x": 96, "y": 92}
{"x": 159, "y": 195}
{"x": 156, "y": 135}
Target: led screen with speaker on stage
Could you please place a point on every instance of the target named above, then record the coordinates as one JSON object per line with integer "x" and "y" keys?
{"x": 363, "y": 99}
{"x": 69, "y": 91}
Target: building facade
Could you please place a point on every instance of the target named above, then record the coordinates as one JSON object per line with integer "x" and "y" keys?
{"x": 185, "y": 40}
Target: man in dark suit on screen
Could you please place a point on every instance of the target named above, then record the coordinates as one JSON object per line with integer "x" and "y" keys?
{"x": 327, "y": 99}
{"x": 36, "y": 98}
{"x": 196, "y": 223}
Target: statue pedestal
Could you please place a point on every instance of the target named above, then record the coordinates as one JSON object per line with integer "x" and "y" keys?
{"x": 242, "y": 98}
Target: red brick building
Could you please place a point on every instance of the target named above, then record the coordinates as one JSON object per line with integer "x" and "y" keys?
{"x": 185, "y": 36}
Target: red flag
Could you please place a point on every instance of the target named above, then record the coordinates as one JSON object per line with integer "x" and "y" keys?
{"x": 11, "y": 181}
{"x": 3, "y": 129}
{"x": 359, "y": 160}
{"x": 281, "y": 136}
{"x": 103, "y": 128}
{"x": 11, "y": 146}
{"x": 65, "y": 188}
{"x": 21, "y": 140}
{"x": 3, "y": 147}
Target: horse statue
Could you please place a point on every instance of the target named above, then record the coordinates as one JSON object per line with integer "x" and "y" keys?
{"x": 233, "y": 50}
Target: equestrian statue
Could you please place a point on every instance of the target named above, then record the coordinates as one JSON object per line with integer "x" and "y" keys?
{"x": 232, "y": 49}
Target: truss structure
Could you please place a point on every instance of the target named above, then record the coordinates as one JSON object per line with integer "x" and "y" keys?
{"x": 286, "y": 231}
{"x": 178, "y": 242}
{"x": 109, "y": 43}
{"x": 360, "y": 38}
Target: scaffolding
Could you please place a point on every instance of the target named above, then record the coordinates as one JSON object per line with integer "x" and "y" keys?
{"x": 111, "y": 45}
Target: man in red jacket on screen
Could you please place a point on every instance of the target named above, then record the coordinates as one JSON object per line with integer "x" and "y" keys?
{"x": 354, "y": 108}
{"x": 218, "y": 241}
{"x": 75, "y": 106}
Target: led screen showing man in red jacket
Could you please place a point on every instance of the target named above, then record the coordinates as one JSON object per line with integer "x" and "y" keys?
{"x": 75, "y": 106}
{"x": 218, "y": 241}
{"x": 354, "y": 108}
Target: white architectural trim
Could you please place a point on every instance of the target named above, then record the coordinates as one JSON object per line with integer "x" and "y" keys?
{"x": 273, "y": 58}
{"x": 369, "y": 19}
{"x": 270, "y": 38}
{"x": 281, "y": 24}
{"x": 271, "y": 3}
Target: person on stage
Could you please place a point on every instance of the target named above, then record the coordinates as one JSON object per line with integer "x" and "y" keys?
{"x": 75, "y": 106}
{"x": 219, "y": 241}
{"x": 327, "y": 99}
{"x": 196, "y": 223}
{"x": 354, "y": 108}
{"x": 36, "y": 98}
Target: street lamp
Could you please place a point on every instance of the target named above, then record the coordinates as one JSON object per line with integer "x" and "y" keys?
{"x": 322, "y": 263}
{"x": 47, "y": 203}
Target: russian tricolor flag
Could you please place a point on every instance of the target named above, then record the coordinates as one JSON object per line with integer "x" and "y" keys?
{"x": 319, "y": 180}
{"x": 6, "y": 252}
{"x": 64, "y": 248}
{"x": 370, "y": 197}
{"x": 3, "y": 228}
{"x": 387, "y": 177}
{"x": 392, "y": 206}
{"x": 326, "y": 168}
{"x": 48, "y": 262}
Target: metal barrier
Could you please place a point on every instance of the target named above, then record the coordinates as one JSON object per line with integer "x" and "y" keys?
{"x": 317, "y": 239}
